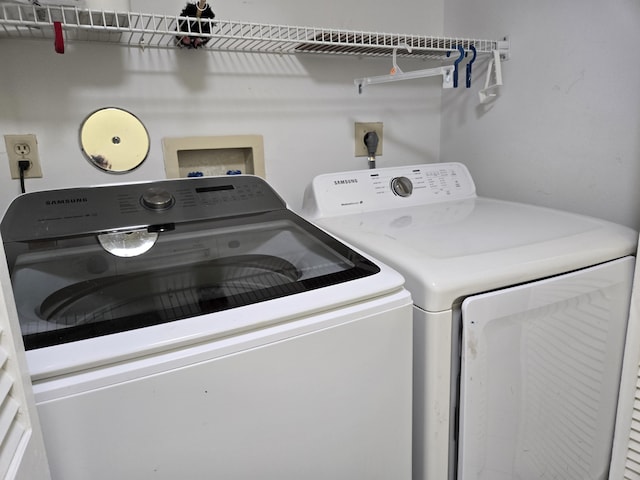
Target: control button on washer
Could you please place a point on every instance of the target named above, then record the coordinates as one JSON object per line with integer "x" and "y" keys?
{"x": 157, "y": 199}
{"x": 401, "y": 186}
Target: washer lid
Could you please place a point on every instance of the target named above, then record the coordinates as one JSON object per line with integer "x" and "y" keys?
{"x": 114, "y": 140}
{"x": 450, "y": 250}
{"x": 77, "y": 288}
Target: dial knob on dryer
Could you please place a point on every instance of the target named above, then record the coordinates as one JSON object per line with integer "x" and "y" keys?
{"x": 157, "y": 199}
{"x": 401, "y": 186}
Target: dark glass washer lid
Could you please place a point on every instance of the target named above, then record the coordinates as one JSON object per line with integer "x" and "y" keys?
{"x": 70, "y": 289}
{"x": 193, "y": 288}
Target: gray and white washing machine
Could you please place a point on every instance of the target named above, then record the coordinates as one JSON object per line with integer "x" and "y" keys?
{"x": 520, "y": 316}
{"x": 197, "y": 328}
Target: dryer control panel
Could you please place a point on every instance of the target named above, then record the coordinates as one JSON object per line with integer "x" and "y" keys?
{"x": 360, "y": 191}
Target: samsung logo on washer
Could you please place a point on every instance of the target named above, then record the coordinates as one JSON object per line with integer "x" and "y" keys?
{"x": 66, "y": 201}
{"x": 346, "y": 181}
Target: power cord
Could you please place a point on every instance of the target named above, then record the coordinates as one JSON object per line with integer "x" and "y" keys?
{"x": 371, "y": 141}
{"x": 23, "y": 165}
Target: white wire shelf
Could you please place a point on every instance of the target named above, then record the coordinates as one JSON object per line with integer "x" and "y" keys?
{"x": 161, "y": 31}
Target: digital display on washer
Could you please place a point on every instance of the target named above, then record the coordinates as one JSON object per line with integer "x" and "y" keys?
{"x": 73, "y": 288}
{"x": 215, "y": 189}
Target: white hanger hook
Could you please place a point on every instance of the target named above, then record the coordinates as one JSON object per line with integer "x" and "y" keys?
{"x": 396, "y": 69}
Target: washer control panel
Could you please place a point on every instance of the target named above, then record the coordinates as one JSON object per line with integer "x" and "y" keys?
{"x": 385, "y": 188}
{"x": 155, "y": 206}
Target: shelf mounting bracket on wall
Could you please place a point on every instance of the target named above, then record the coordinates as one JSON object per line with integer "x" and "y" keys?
{"x": 493, "y": 81}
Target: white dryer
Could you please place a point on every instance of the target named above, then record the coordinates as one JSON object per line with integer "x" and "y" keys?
{"x": 520, "y": 315}
{"x": 197, "y": 328}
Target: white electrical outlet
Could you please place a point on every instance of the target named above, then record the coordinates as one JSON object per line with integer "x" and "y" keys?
{"x": 23, "y": 147}
{"x": 361, "y": 130}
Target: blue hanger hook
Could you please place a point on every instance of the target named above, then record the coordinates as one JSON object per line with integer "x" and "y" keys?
{"x": 455, "y": 65}
{"x": 473, "y": 59}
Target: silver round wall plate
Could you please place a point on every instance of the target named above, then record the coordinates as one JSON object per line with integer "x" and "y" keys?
{"x": 114, "y": 140}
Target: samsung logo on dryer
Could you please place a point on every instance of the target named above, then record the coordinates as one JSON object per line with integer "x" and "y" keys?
{"x": 66, "y": 201}
{"x": 346, "y": 181}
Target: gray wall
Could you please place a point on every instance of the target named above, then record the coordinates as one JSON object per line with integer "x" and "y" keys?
{"x": 303, "y": 105}
{"x": 566, "y": 131}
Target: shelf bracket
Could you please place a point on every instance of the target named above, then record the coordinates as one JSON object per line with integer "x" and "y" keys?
{"x": 493, "y": 81}
{"x": 503, "y": 46}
